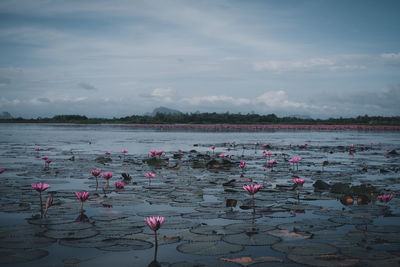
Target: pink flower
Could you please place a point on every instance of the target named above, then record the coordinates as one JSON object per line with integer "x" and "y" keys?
{"x": 82, "y": 196}
{"x": 223, "y": 155}
{"x": 155, "y": 223}
{"x": 264, "y": 145}
{"x": 256, "y": 143}
{"x": 295, "y": 159}
{"x": 351, "y": 146}
{"x": 107, "y": 153}
{"x": 2, "y": 170}
{"x": 271, "y": 161}
{"x": 252, "y": 189}
{"x": 385, "y": 198}
{"x": 40, "y": 187}
{"x": 119, "y": 185}
{"x": 48, "y": 161}
{"x": 179, "y": 150}
{"x": 45, "y": 158}
{"x": 37, "y": 149}
{"x": 95, "y": 173}
{"x": 149, "y": 175}
{"x": 299, "y": 181}
{"x": 124, "y": 151}
{"x": 212, "y": 147}
{"x": 242, "y": 164}
{"x": 107, "y": 175}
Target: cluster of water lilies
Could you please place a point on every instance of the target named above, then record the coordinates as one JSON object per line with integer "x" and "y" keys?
{"x": 154, "y": 153}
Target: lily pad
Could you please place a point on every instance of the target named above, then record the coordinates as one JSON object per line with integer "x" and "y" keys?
{"x": 324, "y": 260}
{"x": 20, "y": 256}
{"x": 240, "y": 216}
{"x": 124, "y": 245}
{"x": 209, "y": 248}
{"x": 251, "y": 239}
{"x": 350, "y": 220}
{"x": 200, "y": 215}
{"x": 305, "y": 248}
{"x": 72, "y": 234}
{"x": 192, "y": 237}
{"x": 162, "y": 239}
{"x": 70, "y": 226}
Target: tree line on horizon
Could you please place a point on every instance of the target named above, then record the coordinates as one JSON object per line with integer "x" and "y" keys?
{"x": 210, "y": 118}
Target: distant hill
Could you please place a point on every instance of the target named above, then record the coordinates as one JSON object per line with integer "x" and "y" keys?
{"x": 164, "y": 110}
{"x": 5, "y": 116}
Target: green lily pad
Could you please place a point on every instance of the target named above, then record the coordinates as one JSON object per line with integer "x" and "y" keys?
{"x": 22, "y": 255}
{"x": 192, "y": 237}
{"x": 209, "y": 248}
{"x": 72, "y": 234}
{"x": 240, "y": 216}
{"x": 305, "y": 248}
{"x": 324, "y": 260}
{"x": 251, "y": 239}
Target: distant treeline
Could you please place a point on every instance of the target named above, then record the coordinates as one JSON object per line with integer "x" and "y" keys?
{"x": 211, "y": 118}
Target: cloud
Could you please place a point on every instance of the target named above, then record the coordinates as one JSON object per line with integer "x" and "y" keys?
{"x": 198, "y": 100}
{"x": 391, "y": 56}
{"x": 44, "y": 100}
{"x": 283, "y": 66}
{"x": 271, "y": 100}
{"x": 160, "y": 94}
{"x": 86, "y": 86}
{"x": 4, "y": 81}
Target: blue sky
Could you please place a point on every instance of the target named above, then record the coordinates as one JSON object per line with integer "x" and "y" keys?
{"x": 118, "y": 58}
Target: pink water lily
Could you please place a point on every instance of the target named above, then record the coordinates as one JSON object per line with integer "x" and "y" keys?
{"x": 45, "y": 158}
{"x": 299, "y": 181}
{"x": 124, "y": 151}
{"x": 295, "y": 161}
{"x": 37, "y": 149}
{"x": 119, "y": 185}
{"x": 252, "y": 189}
{"x": 223, "y": 155}
{"x": 107, "y": 153}
{"x": 2, "y": 170}
{"x": 385, "y": 198}
{"x": 107, "y": 175}
{"x": 82, "y": 196}
{"x": 154, "y": 153}
{"x": 155, "y": 223}
{"x": 40, "y": 187}
{"x": 242, "y": 164}
{"x": 149, "y": 175}
{"x": 95, "y": 173}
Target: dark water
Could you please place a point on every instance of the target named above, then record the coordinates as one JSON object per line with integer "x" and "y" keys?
{"x": 185, "y": 192}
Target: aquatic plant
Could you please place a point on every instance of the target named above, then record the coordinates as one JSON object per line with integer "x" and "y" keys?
{"x": 252, "y": 189}
{"x": 155, "y": 224}
{"x": 40, "y": 187}
{"x": 385, "y": 198}
{"x": 149, "y": 175}
{"x": 299, "y": 182}
{"x": 295, "y": 161}
{"x": 96, "y": 173}
{"x": 82, "y": 196}
{"x": 119, "y": 185}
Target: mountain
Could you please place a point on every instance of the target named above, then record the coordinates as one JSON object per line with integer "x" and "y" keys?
{"x": 5, "y": 115}
{"x": 165, "y": 110}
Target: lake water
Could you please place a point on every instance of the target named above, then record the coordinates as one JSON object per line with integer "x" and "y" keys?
{"x": 192, "y": 196}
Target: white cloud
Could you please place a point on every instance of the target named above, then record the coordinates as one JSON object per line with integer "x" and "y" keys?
{"x": 277, "y": 100}
{"x": 283, "y": 66}
{"x": 391, "y": 56}
{"x": 198, "y": 100}
{"x": 161, "y": 94}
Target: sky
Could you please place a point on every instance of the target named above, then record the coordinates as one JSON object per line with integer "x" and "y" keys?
{"x": 320, "y": 58}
